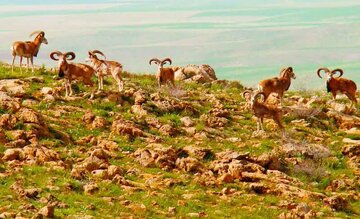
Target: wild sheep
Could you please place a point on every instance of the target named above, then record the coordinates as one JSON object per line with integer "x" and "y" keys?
{"x": 72, "y": 71}
{"x": 27, "y": 49}
{"x": 164, "y": 75}
{"x": 342, "y": 85}
{"x": 278, "y": 84}
{"x": 261, "y": 110}
{"x": 104, "y": 68}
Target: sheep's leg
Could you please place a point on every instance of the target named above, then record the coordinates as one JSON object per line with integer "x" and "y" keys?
{"x": 70, "y": 88}
{"x": 32, "y": 64}
{"x": 258, "y": 124}
{"x": 27, "y": 64}
{"x": 12, "y": 65}
{"x": 352, "y": 98}
{"x": 99, "y": 81}
{"x": 119, "y": 82}
{"x": 102, "y": 83}
{"x": 21, "y": 64}
{"x": 334, "y": 95}
{"x": 261, "y": 123}
{"x": 66, "y": 89}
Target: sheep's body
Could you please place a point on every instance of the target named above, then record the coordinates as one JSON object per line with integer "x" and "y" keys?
{"x": 73, "y": 71}
{"x": 27, "y": 49}
{"x": 342, "y": 85}
{"x": 277, "y": 85}
{"x": 261, "y": 111}
{"x": 104, "y": 68}
{"x": 165, "y": 75}
{"x": 339, "y": 85}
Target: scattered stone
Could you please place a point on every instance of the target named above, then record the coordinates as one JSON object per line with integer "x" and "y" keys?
{"x": 187, "y": 121}
{"x": 47, "y": 211}
{"x": 88, "y": 117}
{"x": 13, "y": 154}
{"x": 46, "y": 90}
{"x": 91, "y": 188}
{"x": 99, "y": 122}
{"x": 337, "y": 202}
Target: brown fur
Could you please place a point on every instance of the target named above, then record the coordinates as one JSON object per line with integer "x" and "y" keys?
{"x": 27, "y": 49}
{"x": 73, "y": 71}
{"x": 104, "y": 68}
{"x": 262, "y": 110}
{"x": 166, "y": 75}
{"x": 278, "y": 84}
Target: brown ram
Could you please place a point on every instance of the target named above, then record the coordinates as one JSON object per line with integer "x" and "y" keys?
{"x": 27, "y": 49}
{"x": 338, "y": 84}
{"x": 104, "y": 68}
{"x": 72, "y": 71}
{"x": 261, "y": 110}
{"x": 164, "y": 75}
{"x": 278, "y": 84}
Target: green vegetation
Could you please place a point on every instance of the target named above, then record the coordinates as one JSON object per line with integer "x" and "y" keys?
{"x": 184, "y": 194}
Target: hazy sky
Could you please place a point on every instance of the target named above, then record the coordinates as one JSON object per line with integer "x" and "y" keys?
{"x": 243, "y": 40}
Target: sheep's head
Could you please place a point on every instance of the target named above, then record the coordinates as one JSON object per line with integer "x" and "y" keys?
{"x": 62, "y": 61}
{"x": 40, "y": 36}
{"x": 247, "y": 95}
{"x": 252, "y": 96}
{"x": 287, "y": 72}
{"x": 92, "y": 55}
{"x": 159, "y": 62}
{"x": 330, "y": 74}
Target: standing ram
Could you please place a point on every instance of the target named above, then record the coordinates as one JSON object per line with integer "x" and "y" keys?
{"x": 104, "y": 68}
{"x": 339, "y": 84}
{"x": 164, "y": 75}
{"x": 27, "y": 49}
{"x": 72, "y": 71}
{"x": 278, "y": 84}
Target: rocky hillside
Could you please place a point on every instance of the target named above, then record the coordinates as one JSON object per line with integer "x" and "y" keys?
{"x": 183, "y": 153}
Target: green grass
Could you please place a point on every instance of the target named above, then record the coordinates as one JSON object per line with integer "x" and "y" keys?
{"x": 207, "y": 199}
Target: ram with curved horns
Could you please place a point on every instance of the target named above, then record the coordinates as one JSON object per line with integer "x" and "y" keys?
{"x": 164, "y": 75}
{"x": 339, "y": 84}
{"x": 72, "y": 71}
{"x": 27, "y": 49}
{"x": 104, "y": 68}
{"x": 261, "y": 110}
{"x": 278, "y": 84}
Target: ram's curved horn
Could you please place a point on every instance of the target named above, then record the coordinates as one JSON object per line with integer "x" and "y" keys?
{"x": 259, "y": 94}
{"x": 37, "y": 33}
{"x": 57, "y": 53}
{"x": 166, "y": 60}
{"x": 338, "y": 70}
{"x": 98, "y": 52}
{"x": 322, "y": 69}
{"x": 284, "y": 70}
{"x": 157, "y": 61}
{"x": 71, "y": 54}
{"x": 246, "y": 92}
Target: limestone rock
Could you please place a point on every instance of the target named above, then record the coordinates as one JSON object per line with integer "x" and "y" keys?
{"x": 8, "y": 103}
{"x": 99, "y": 122}
{"x": 91, "y": 188}
{"x": 88, "y": 117}
{"x": 13, "y": 154}
{"x": 126, "y": 127}
{"x": 187, "y": 121}
{"x": 198, "y": 73}
{"x": 14, "y": 87}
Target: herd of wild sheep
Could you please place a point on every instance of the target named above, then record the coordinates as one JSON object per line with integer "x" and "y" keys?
{"x": 165, "y": 75}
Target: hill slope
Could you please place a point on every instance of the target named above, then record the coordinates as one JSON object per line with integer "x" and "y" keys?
{"x": 189, "y": 152}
